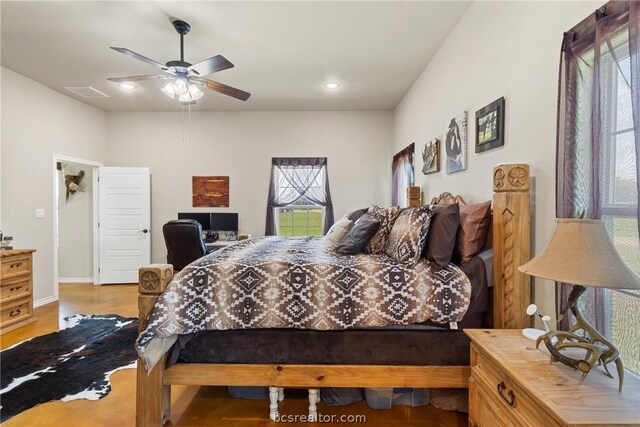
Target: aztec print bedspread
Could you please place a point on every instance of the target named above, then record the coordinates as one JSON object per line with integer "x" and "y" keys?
{"x": 277, "y": 282}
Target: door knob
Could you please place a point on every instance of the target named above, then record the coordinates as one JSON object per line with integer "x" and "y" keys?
{"x": 145, "y": 231}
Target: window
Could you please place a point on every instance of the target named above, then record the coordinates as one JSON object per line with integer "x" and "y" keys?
{"x": 299, "y": 198}
{"x": 402, "y": 175}
{"x": 302, "y": 217}
{"x": 619, "y": 203}
{"x": 598, "y": 159}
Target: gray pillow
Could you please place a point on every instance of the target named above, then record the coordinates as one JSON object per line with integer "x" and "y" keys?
{"x": 357, "y": 238}
{"x": 337, "y": 232}
{"x": 353, "y": 216}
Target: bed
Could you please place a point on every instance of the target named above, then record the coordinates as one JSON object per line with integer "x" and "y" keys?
{"x": 387, "y": 356}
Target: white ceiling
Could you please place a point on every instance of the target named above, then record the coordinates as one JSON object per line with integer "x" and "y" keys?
{"x": 283, "y": 51}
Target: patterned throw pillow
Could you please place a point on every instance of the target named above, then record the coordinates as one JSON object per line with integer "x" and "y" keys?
{"x": 386, "y": 217}
{"x": 409, "y": 233}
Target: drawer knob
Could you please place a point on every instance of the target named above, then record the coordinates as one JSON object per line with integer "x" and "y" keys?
{"x": 510, "y": 398}
{"x": 15, "y": 288}
{"x": 16, "y": 264}
{"x": 14, "y": 313}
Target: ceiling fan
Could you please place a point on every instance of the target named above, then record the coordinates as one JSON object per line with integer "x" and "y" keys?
{"x": 187, "y": 79}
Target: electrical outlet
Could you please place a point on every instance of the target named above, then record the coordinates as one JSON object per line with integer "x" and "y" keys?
{"x": 39, "y": 213}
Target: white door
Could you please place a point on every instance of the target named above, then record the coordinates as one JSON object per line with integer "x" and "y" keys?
{"x": 124, "y": 223}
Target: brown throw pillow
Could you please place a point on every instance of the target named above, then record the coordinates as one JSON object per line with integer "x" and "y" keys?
{"x": 474, "y": 228}
{"x": 442, "y": 234}
{"x": 358, "y": 237}
{"x": 386, "y": 217}
{"x": 408, "y": 234}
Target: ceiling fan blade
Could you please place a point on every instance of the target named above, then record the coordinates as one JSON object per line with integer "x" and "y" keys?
{"x": 138, "y": 78}
{"x": 211, "y": 65}
{"x": 139, "y": 57}
{"x": 227, "y": 90}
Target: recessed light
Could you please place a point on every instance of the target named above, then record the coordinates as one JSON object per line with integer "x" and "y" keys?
{"x": 127, "y": 86}
{"x": 331, "y": 85}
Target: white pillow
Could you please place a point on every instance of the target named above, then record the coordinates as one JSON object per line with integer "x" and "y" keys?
{"x": 337, "y": 232}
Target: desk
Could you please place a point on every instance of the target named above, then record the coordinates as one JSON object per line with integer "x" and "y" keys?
{"x": 220, "y": 243}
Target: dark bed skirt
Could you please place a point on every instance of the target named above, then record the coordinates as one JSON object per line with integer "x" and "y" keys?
{"x": 351, "y": 347}
{"x": 396, "y": 345}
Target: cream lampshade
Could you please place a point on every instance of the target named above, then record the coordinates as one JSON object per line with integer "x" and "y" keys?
{"x": 580, "y": 252}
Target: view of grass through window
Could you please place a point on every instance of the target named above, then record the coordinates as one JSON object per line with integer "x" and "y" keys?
{"x": 300, "y": 221}
{"x": 625, "y": 304}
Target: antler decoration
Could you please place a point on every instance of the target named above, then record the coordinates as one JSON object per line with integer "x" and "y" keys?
{"x": 72, "y": 182}
{"x": 597, "y": 347}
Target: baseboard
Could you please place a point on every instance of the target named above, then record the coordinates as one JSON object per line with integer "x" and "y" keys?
{"x": 75, "y": 280}
{"x": 43, "y": 301}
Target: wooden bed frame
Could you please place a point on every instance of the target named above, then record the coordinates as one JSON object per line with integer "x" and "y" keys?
{"x": 511, "y": 241}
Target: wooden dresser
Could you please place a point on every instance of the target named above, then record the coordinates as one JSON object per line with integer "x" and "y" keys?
{"x": 16, "y": 289}
{"x": 513, "y": 384}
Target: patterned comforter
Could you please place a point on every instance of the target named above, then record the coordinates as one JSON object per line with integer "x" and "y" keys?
{"x": 275, "y": 282}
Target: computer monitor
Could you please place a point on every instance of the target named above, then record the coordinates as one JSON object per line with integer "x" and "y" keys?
{"x": 224, "y": 222}
{"x": 204, "y": 218}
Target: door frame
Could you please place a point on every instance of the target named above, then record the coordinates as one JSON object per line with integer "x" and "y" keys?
{"x": 96, "y": 255}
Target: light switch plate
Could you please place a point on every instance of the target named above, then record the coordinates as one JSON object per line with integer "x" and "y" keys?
{"x": 39, "y": 213}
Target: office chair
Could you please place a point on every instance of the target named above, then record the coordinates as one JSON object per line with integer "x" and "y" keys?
{"x": 183, "y": 238}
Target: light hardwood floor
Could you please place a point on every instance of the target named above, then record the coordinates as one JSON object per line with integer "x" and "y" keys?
{"x": 191, "y": 406}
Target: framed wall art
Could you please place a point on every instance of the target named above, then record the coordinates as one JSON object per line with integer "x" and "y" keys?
{"x": 431, "y": 157}
{"x": 456, "y": 144}
{"x": 490, "y": 126}
{"x": 210, "y": 191}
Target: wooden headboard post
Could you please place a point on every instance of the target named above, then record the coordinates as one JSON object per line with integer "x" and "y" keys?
{"x": 511, "y": 246}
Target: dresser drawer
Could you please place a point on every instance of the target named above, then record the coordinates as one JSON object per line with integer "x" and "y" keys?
{"x": 14, "y": 266}
{"x": 505, "y": 393}
{"x": 15, "y": 311}
{"x": 14, "y": 288}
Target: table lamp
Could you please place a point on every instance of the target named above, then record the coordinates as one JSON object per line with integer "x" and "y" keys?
{"x": 580, "y": 252}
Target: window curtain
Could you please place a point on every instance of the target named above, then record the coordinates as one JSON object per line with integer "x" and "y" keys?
{"x": 293, "y": 178}
{"x": 402, "y": 176}
{"x": 598, "y": 141}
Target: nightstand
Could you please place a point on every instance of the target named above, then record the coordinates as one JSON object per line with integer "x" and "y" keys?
{"x": 513, "y": 384}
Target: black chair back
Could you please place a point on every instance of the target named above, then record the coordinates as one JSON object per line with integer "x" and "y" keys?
{"x": 183, "y": 238}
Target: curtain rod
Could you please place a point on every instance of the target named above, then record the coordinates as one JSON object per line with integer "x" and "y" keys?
{"x": 588, "y": 24}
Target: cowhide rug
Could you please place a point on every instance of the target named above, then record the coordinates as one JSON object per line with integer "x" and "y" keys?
{"x": 75, "y": 363}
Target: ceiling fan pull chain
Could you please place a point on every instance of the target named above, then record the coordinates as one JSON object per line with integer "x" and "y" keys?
{"x": 189, "y": 123}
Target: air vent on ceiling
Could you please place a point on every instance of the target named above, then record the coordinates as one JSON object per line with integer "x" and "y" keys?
{"x": 87, "y": 92}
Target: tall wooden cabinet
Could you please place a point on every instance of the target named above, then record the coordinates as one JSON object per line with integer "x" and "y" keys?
{"x": 16, "y": 289}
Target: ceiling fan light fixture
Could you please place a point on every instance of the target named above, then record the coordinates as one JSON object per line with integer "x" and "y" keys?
{"x": 195, "y": 92}
{"x": 180, "y": 86}
{"x": 186, "y": 98}
{"x": 168, "y": 90}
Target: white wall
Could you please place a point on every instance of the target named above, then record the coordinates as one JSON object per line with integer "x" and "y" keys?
{"x": 240, "y": 145}
{"x": 75, "y": 227}
{"x": 36, "y": 123}
{"x": 508, "y": 49}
